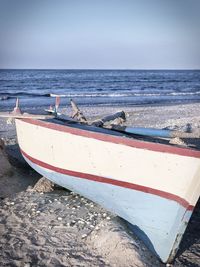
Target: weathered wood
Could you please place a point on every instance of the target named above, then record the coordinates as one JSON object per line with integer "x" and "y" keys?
{"x": 118, "y": 115}
{"x": 17, "y": 110}
{"x": 194, "y": 134}
{"x": 77, "y": 112}
{"x": 57, "y": 103}
{"x": 177, "y": 141}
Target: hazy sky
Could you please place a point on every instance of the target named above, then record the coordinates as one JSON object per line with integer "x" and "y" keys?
{"x": 117, "y": 34}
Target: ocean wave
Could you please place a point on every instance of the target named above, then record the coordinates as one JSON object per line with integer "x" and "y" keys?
{"x": 5, "y": 96}
{"x": 93, "y": 95}
{"x": 185, "y": 93}
{"x": 126, "y": 94}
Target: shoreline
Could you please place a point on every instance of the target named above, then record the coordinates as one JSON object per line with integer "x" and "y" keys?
{"x": 61, "y": 228}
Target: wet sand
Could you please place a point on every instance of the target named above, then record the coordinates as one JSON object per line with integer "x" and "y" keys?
{"x": 60, "y": 228}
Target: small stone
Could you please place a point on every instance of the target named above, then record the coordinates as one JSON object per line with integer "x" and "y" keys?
{"x": 59, "y": 202}
{"x": 55, "y": 199}
{"x": 91, "y": 205}
{"x": 91, "y": 226}
{"x": 33, "y": 209}
{"x": 12, "y": 203}
{"x": 97, "y": 228}
{"x": 41, "y": 193}
{"x": 59, "y": 219}
{"x": 108, "y": 218}
{"x": 80, "y": 222}
{"x": 84, "y": 236}
{"x": 72, "y": 223}
{"x": 50, "y": 201}
{"x": 104, "y": 215}
{"x": 37, "y": 211}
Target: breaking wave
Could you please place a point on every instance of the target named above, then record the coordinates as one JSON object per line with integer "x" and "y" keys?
{"x": 4, "y": 95}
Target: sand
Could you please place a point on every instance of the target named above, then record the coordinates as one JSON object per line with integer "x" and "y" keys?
{"x": 61, "y": 228}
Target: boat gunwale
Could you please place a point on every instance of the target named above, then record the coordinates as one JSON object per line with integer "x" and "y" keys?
{"x": 116, "y": 139}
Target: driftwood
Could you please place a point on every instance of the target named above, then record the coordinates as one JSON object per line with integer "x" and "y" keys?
{"x": 194, "y": 134}
{"x": 118, "y": 117}
{"x": 77, "y": 113}
{"x": 177, "y": 141}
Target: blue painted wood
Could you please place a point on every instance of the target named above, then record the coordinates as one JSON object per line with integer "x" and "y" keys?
{"x": 149, "y": 132}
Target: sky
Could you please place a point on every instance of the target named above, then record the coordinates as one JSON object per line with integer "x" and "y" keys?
{"x": 100, "y": 34}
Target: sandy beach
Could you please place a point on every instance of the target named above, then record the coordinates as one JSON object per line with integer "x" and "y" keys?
{"x": 61, "y": 228}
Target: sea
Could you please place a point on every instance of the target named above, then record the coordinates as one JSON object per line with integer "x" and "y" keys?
{"x": 36, "y": 89}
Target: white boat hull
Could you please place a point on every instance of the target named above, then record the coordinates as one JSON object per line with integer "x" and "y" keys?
{"x": 154, "y": 187}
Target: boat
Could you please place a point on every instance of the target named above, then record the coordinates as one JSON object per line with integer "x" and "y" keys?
{"x": 152, "y": 185}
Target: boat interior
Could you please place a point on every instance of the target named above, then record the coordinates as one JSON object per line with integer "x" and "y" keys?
{"x": 192, "y": 143}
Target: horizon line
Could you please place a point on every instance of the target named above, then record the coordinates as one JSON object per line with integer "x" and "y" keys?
{"x": 125, "y": 69}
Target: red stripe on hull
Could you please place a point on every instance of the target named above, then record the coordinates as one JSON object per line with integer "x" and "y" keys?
{"x": 117, "y": 139}
{"x": 100, "y": 179}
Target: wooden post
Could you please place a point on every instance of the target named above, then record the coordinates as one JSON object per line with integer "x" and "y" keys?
{"x": 57, "y": 103}
{"x": 16, "y": 109}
